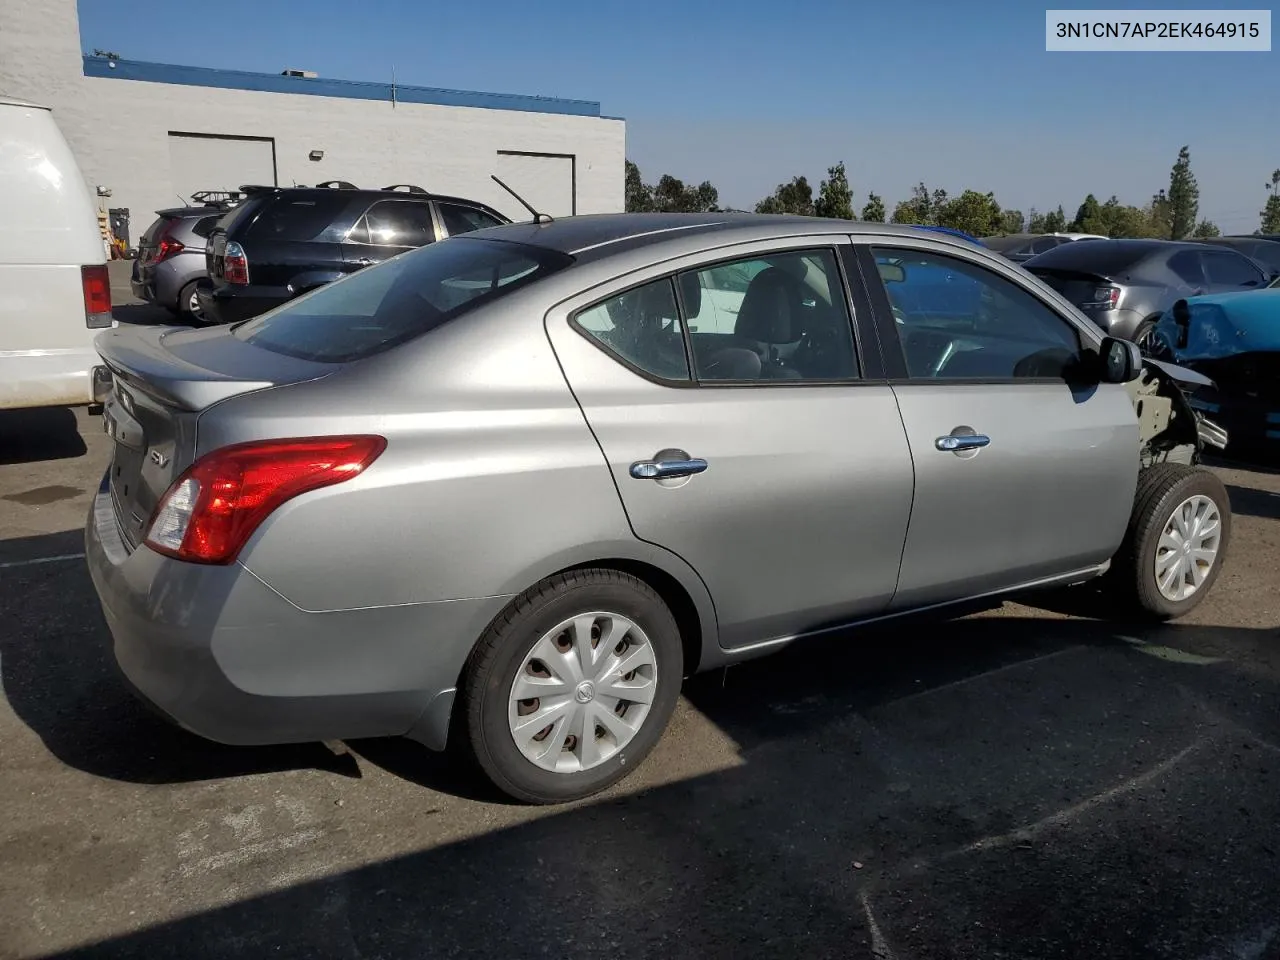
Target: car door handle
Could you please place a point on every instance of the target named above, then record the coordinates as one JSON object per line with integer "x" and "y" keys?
{"x": 664, "y": 469}
{"x": 951, "y": 443}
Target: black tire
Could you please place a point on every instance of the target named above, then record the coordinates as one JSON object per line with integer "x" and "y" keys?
{"x": 492, "y": 666}
{"x": 1161, "y": 489}
{"x": 184, "y": 305}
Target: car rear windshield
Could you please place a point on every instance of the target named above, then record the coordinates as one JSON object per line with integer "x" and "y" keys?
{"x": 1094, "y": 256}
{"x": 387, "y": 304}
{"x": 289, "y": 217}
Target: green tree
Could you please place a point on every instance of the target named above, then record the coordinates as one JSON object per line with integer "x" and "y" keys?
{"x": 873, "y": 211}
{"x": 1035, "y": 222}
{"x": 639, "y": 196}
{"x": 922, "y": 208}
{"x": 835, "y": 199}
{"x": 1088, "y": 217}
{"x": 1121, "y": 220}
{"x": 669, "y": 195}
{"x": 1056, "y": 221}
{"x": 795, "y": 197}
{"x": 1270, "y": 215}
{"x": 1011, "y": 222}
{"x": 1184, "y": 197}
{"x": 1159, "y": 217}
{"x": 1206, "y": 228}
{"x": 977, "y": 214}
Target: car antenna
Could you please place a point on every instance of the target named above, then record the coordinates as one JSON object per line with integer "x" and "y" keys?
{"x": 537, "y": 217}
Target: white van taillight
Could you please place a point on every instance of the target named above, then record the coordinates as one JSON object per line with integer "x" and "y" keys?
{"x": 215, "y": 506}
{"x": 97, "y": 295}
{"x": 235, "y": 265}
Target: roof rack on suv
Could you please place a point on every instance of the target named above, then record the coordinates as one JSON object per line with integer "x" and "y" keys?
{"x": 337, "y": 185}
{"x": 216, "y": 198}
{"x": 247, "y": 188}
{"x": 407, "y": 187}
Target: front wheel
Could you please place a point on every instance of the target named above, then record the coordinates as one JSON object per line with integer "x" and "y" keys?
{"x": 1176, "y": 542}
{"x": 572, "y": 686}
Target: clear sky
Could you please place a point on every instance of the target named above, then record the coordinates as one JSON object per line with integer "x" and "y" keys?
{"x": 746, "y": 93}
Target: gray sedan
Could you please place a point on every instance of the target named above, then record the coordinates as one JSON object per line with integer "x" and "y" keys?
{"x": 505, "y": 491}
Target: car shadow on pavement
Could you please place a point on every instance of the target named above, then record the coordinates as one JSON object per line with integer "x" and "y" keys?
{"x": 59, "y": 678}
{"x": 144, "y": 314}
{"x": 1009, "y": 786}
{"x": 1250, "y": 501}
{"x": 36, "y": 435}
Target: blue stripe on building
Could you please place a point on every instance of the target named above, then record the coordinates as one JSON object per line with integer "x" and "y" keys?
{"x": 327, "y": 87}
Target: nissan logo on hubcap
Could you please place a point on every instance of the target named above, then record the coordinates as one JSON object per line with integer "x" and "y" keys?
{"x": 586, "y": 691}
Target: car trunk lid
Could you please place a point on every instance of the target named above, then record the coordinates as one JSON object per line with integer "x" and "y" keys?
{"x": 1075, "y": 286}
{"x": 164, "y": 378}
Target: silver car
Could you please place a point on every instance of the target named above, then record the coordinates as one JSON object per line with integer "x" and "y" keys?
{"x": 507, "y": 490}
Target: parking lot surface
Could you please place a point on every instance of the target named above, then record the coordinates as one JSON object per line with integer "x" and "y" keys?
{"x": 1028, "y": 782}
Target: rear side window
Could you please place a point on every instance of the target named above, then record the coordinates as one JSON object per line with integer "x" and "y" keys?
{"x": 385, "y": 305}
{"x": 204, "y": 226}
{"x": 459, "y": 219}
{"x": 1186, "y": 264}
{"x": 296, "y": 218}
{"x": 395, "y": 223}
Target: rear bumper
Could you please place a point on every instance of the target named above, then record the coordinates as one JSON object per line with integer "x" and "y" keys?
{"x": 48, "y": 378}
{"x": 225, "y": 657}
{"x": 226, "y": 304}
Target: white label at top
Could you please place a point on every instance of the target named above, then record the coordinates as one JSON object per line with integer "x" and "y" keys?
{"x": 1158, "y": 31}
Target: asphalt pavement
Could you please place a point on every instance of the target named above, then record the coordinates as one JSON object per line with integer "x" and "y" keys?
{"x": 1031, "y": 782}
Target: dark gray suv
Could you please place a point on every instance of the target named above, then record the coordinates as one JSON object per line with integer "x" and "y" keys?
{"x": 171, "y": 257}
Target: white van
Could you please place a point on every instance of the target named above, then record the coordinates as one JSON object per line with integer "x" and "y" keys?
{"x": 55, "y": 295}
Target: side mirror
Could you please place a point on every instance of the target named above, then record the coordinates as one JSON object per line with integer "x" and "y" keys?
{"x": 1121, "y": 360}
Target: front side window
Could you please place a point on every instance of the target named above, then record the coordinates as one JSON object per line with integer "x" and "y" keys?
{"x": 1226, "y": 268}
{"x": 642, "y": 327}
{"x": 389, "y": 303}
{"x": 459, "y": 219}
{"x": 959, "y": 320}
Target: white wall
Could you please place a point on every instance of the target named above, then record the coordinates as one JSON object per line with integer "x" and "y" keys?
{"x": 119, "y": 128}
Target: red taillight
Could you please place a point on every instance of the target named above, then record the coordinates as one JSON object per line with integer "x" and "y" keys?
{"x": 1106, "y": 297}
{"x": 167, "y": 249}
{"x": 210, "y": 511}
{"x": 96, "y": 284}
{"x": 235, "y": 265}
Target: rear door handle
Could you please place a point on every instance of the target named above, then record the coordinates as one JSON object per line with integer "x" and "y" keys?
{"x": 951, "y": 443}
{"x": 664, "y": 469}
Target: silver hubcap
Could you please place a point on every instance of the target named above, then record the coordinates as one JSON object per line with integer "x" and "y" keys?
{"x": 1188, "y": 547}
{"x": 583, "y": 692}
{"x": 193, "y": 305}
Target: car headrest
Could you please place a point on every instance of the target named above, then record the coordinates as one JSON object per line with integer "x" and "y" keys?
{"x": 770, "y": 309}
{"x": 691, "y": 294}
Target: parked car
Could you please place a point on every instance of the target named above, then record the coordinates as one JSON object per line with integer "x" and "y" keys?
{"x": 1265, "y": 252}
{"x": 55, "y": 294}
{"x": 281, "y": 242}
{"x": 951, "y": 231}
{"x": 1020, "y": 247}
{"x": 505, "y": 492}
{"x": 171, "y": 255}
{"x": 1125, "y": 285}
{"x": 1234, "y": 340}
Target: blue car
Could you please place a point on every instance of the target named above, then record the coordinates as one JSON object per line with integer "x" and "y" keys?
{"x": 953, "y": 232}
{"x": 1234, "y": 340}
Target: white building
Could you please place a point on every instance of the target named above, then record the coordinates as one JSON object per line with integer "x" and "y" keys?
{"x": 152, "y": 134}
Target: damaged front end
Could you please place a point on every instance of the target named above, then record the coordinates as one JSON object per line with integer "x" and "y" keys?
{"x": 1170, "y": 428}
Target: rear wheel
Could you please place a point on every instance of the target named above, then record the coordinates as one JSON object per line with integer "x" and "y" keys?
{"x": 189, "y": 304}
{"x": 572, "y": 686}
{"x": 1176, "y": 542}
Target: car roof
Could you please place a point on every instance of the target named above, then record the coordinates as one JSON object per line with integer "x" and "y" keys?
{"x": 254, "y": 191}
{"x": 593, "y": 236}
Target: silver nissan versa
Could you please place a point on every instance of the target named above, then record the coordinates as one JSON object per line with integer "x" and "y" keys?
{"x": 507, "y": 490}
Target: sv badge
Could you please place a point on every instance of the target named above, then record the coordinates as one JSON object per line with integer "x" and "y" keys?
{"x": 158, "y": 458}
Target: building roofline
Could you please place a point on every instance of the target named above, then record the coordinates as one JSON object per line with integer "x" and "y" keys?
{"x": 114, "y": 69}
